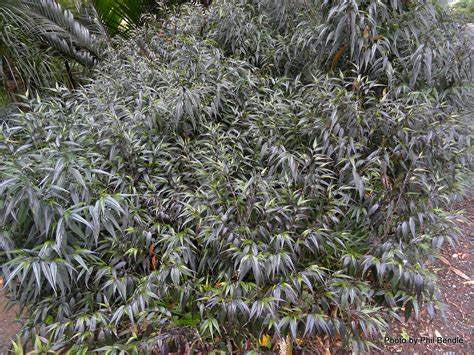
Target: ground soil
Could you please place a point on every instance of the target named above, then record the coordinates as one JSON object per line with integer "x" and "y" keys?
{"x": 455, "y": 274}
{"x": 8, "y": 324}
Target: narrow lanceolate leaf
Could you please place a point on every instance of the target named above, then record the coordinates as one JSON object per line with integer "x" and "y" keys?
{"x": 405, "y": 229}
{"x": 60, "y": 234}
{"x": 373, "y": 209}
{"x": 358, "y": 183}
{"x": 412, "y": 226}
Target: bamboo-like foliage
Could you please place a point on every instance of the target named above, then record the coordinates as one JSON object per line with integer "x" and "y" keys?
{"x": 200, "y": 191}
{"x": 392, "y": 42}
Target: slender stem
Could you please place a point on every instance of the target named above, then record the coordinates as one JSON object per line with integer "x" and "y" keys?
{"x": 69, "y": 74}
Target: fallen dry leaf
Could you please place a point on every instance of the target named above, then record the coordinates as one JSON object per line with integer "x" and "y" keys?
{"x": 154, "y": 262}
{"x": 460, "y": 273}
{"x": 444, "y": 260}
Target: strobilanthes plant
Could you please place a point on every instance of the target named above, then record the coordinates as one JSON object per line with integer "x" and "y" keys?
{"x": 259, "y": 170}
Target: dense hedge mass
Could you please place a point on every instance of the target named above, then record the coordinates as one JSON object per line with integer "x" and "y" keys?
{"x": 207, "y": 187}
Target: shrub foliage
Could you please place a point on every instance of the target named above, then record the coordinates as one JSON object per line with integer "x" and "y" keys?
{"x": 260, "y": 168}
{"x": 464, "y": 8}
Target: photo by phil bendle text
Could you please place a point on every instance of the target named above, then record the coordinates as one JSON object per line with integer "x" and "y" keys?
{"x": 424, "y": 340}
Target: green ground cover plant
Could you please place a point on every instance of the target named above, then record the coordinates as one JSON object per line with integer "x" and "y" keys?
{"x": 260, "y": 169}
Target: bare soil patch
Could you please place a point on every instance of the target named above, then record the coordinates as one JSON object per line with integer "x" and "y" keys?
{"x": 9, "y": 326}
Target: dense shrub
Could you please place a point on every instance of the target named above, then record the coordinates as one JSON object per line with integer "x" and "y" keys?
{"x": 207, "y": 187}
